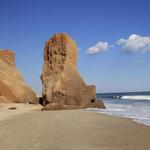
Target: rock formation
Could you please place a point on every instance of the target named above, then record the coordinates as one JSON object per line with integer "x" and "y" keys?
{"x": 63, "y": 88}
{"x": 12, "y": 86}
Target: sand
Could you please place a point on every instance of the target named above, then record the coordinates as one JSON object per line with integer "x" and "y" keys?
{"x": 72, "y": 130}
{"x": 21, "y": 108}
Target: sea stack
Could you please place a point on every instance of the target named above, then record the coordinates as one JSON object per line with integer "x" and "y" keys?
{"x": 63, "y": 87}
{"x": 12, "y": 86}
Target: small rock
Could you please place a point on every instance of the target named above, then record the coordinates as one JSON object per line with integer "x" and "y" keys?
{"x": 12, "y": 108}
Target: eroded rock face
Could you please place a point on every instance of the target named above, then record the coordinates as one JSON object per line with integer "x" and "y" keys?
{"x": 63, "y": 88}
{"x": 12, "y": 86}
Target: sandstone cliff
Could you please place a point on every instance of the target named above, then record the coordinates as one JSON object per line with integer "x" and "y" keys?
{"x": 12, "y": 86}
{"x": 63, "y": 88}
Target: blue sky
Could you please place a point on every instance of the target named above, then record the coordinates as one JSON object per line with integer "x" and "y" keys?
{"x": 25, "y": 25}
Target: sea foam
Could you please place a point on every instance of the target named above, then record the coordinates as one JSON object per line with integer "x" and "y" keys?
{"x": 136, "y": 97}
{"x": 137, "y": 109}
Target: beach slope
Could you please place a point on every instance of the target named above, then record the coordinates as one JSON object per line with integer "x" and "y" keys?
{"x": 72, "y": 130}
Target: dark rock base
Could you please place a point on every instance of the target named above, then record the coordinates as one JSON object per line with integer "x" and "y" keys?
{"x": 56, "y": 106}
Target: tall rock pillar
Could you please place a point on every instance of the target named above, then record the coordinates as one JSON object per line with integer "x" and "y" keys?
{"x": 63, "y": 88}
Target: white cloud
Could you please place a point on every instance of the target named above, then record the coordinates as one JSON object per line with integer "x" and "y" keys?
{"x": 135, "y": 43}
{"x": 98, "y": 48}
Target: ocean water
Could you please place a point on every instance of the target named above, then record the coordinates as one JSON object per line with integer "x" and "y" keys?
{"x": 135, "y": 105}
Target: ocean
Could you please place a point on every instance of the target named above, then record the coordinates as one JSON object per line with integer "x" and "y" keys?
{"x": 135, "y": 105}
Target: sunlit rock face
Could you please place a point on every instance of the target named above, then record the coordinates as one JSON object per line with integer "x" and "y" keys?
{"x": 63, "y": 87}
{"x": 12, "y": 86}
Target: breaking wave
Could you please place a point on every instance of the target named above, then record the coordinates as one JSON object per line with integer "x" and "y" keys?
{"x": 137, "y": 97}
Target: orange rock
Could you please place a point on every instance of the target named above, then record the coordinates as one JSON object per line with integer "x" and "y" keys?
{"x": 62, "y": 85}
{"x": 8, "y": 56}
{"x": 12, "y": 86}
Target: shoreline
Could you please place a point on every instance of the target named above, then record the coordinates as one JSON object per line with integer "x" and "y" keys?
{"x": 123, "y": 117}
{"x": 6, "y": 114}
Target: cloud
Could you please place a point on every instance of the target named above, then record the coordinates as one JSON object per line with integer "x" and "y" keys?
{"x": 135, "y": 43}
{"x": 98, "y": 48}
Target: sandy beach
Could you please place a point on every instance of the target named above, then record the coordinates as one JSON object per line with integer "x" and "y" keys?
{"x": 71, "y": 130}
{"x": 6, "y": 113}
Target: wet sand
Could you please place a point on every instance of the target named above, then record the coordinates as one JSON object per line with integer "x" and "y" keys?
{"x": 72, "y": 130}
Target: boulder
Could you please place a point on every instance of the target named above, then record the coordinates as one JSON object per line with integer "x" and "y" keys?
{"x": 12, "y": 86}
{"x": 63, "y": 87}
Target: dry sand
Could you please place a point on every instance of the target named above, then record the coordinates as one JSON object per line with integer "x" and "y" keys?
{"x": 5, "y": 113}
{"x": 72, "y": 130}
